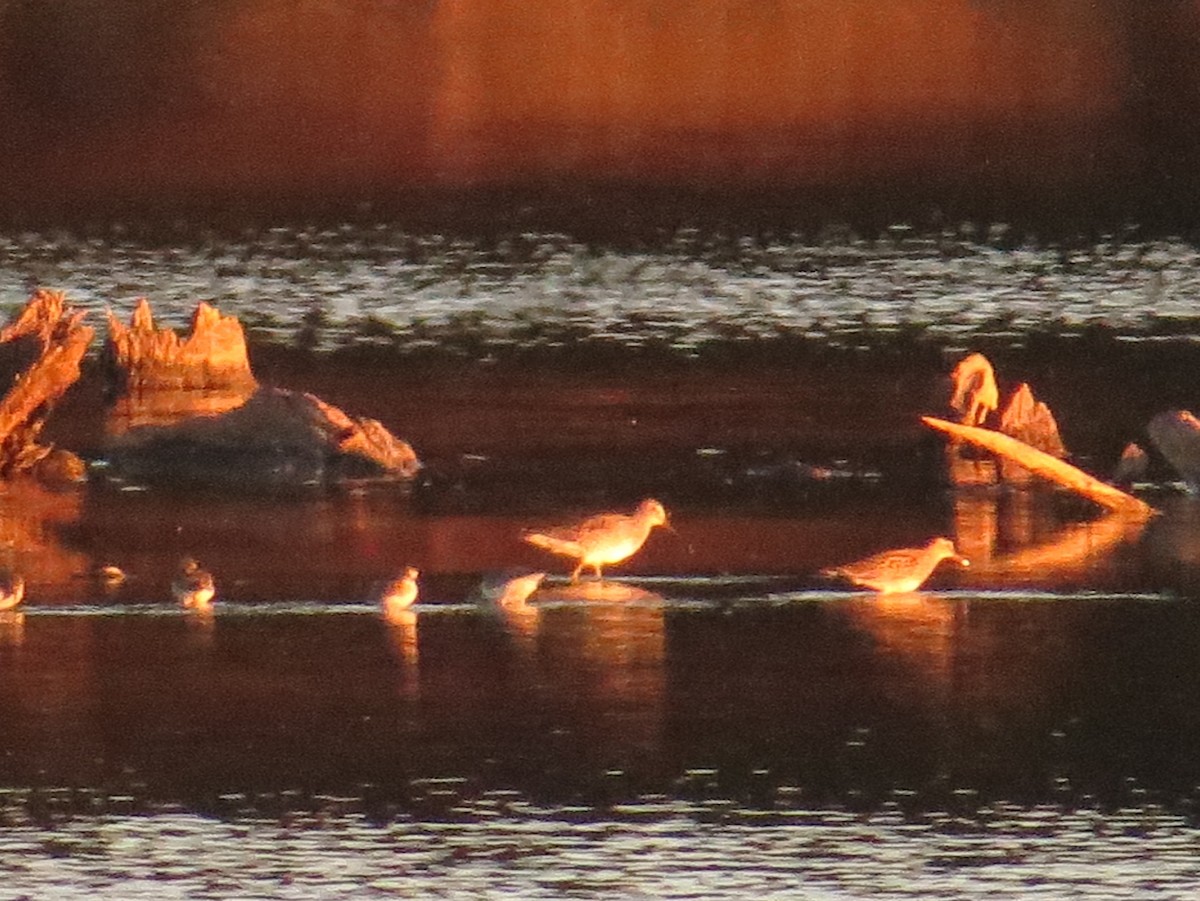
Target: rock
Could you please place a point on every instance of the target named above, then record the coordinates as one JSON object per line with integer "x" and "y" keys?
{"x": 1132, "y": 467}
{"x": 276, "y": 440}
{"x": 1176, "y": 434}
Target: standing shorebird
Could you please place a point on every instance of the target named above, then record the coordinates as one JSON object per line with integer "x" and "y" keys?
{"x": 401, "y": 593}
{"x": 12, "y": 590}
{"x": 898, "y": 571}
{"x": 192, "y": 586}
{"x": 603, "y": 538}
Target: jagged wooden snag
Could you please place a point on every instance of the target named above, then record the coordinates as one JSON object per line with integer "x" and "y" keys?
{"x": 57, "y": 331}
{"x": 1031, "y": 422}
{"x": 975, "y": 394}
{"x": 213, "y": 356}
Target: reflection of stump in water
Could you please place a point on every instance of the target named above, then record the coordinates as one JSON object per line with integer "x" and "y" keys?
{"x": 976, "y": 525}
{"x": 30, "y": 518}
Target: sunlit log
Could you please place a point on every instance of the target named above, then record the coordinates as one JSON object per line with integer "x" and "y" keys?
{"x": 1042, "y": 464}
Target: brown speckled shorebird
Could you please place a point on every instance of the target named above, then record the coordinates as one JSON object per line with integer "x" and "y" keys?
{"x": 401, "y": 593}
{"x": 12, "y": 590}
{"x": 602, "y": 539}
{"x": 901, "y": 570}
{"x": 192, "y": 586}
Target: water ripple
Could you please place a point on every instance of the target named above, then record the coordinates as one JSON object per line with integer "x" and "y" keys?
{"x": 383, "y": 286}
{"x": 666, "y": 850}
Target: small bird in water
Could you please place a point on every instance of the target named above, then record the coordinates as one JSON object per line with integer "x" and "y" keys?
{"x": 602, "y": 539}
{"x": 110, "y": 575}
{"x": 508, "y": 590}
{"x": 898, "y": 571}
{"x": 12, "y": 590}
{"x": 193, "y": 586}
{"x": 401, "y": 593}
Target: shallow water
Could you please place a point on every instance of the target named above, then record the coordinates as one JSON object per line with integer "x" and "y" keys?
{"x": 715, "y": 719}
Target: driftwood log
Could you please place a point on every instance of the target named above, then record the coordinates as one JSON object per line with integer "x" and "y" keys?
{"x": 1043, "y": 464}
{"x": 54, "y": 339}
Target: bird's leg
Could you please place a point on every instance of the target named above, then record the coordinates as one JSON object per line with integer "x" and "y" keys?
{"x": 575, "y": 574}
{"x": 599, "y": 575}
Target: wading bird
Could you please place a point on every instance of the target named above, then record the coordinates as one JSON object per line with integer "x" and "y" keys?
{"x": 12, "y": 590}
{"x": 901, "y": 570}
{"x": 601, "y": 539}
{"x": 192, "y": 586}
{"x": 402, "y": 592}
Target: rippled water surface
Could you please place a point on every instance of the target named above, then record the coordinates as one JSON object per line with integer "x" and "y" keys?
{"x": 690, "y": 291}
{"x": 716, "y": 719}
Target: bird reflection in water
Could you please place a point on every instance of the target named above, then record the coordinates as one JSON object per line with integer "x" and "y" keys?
{"x": 917, "y": 629}
{"x": 12, "y": 628}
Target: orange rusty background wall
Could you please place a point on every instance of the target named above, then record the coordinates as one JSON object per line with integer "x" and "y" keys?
{"x": 319, "y": 96}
